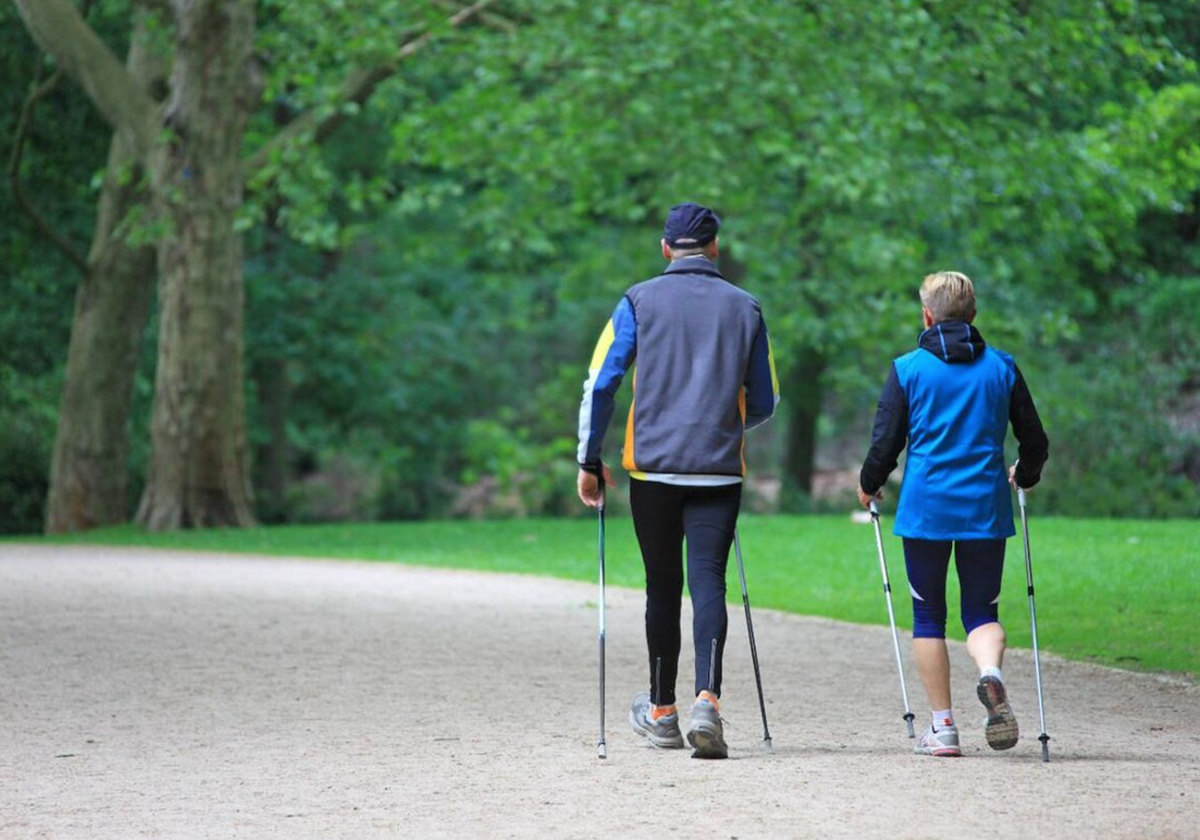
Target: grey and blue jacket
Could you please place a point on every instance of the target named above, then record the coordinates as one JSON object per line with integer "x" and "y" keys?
{"x": 704, "y": 374}
{"x": 951, "y": 401}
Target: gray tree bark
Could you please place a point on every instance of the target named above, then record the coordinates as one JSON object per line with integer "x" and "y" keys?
{"x": 59, "y": 30}
{"x": 89, "y": 470}
{"x": 804, "y": 391}
{"x": 198, "y": 474}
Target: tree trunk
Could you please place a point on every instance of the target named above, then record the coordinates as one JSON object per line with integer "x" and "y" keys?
{"x": 60, "y": 31}
{"x": 198, "y": 474}
{"x": 89, "y": 470}
{"x": 803, "y": 392}
{"x": 273, "y": 454}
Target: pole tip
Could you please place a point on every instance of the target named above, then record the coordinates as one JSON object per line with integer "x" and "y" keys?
{"x": 601, "y": 750}
{"x": 908, "y": 721}
{"x": 768, "y": 747}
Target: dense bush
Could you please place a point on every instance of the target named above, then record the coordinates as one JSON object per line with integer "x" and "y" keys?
{"x": 26, "y": 439}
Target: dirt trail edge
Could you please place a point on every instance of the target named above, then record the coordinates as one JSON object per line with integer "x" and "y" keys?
{"x": 172, "y": 695}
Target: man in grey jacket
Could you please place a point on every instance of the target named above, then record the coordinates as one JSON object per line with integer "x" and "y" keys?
{"x": 704, "y": 376}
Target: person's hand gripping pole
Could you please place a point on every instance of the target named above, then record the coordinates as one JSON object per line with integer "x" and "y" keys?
{"x": 591, "y": 483}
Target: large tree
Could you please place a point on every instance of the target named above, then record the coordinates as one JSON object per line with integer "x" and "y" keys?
{"x": 89, "y": 471}
{"x": 190, "y": 146}
{"x": 190, "y": 140}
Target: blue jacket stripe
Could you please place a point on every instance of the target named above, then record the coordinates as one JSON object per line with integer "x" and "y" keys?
{"x": 762, "y": 393}
{"x": 604, "y": 379}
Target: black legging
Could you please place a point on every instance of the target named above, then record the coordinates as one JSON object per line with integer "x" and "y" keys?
{"x": 663, "y": 514}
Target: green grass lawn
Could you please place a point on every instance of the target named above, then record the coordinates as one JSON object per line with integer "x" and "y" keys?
{"x": 1119, "y": 592}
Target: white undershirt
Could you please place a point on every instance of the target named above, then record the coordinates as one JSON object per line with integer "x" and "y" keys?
{"x": 688, "y": 479}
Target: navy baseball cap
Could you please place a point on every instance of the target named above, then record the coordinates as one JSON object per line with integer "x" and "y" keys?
{"x": 691, "y": 226}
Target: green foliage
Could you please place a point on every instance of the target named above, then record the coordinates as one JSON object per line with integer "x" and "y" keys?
{"x": 852, "y": 148}
{"x": 528, "y": 477}
{"x": 429, "y": 280}
{"x": 26, "y": 428}
{"x": 421, "y": 363}
{"x": 1112, "y": 453}
{"x": 311, "y": 52}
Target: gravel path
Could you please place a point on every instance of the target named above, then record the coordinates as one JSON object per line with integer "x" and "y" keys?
{"x": 153, "y": 694}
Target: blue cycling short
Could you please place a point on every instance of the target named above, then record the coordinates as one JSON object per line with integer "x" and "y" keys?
{"x": 980, "y": 565}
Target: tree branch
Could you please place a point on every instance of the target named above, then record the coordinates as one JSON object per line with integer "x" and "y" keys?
{"x": 39, "y": 89}
{"x": 357, "y": 88}
{"x": 60, "y": 31}
{"x": 493, "y": 21}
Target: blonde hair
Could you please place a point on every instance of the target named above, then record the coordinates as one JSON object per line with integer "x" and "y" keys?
{"x": 949, "y": 296}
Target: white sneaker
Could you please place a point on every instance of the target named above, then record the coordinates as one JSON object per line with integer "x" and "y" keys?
{"x": 940, "y": 742}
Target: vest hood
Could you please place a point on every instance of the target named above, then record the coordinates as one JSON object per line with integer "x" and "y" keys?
{"x": 954, "y": 342}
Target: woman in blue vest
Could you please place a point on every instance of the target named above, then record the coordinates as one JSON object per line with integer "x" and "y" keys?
{"x": 951, "y": 402}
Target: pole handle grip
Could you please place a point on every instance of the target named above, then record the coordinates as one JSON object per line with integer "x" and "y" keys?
{"x": 874, "y": 508}
{"x": 1021, "y": 496}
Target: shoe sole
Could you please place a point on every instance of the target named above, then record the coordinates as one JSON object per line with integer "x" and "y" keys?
{"x": 656, "y": 741}
{"x": 940, "y": 752}
{"x": 707, "y": 743}
{"x": 1001, "y": 728}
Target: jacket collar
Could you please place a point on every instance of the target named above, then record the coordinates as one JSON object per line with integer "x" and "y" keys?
{"x": 696, "y": 264}
{"x": 953, "y": 342}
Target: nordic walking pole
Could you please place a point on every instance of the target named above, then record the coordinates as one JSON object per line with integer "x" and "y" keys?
{"x": 1037, "y": 662}
{"x": 601, "y": 746}
{"x": 737, "y": 546}
{"x": 887, "y": 594}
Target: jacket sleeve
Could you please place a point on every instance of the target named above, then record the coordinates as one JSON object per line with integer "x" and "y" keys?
{"x": 888, "y": 437}
{"x": 762, "y": 383}
{"x": 1033, "y": 447}
{"x": 615, "y": 352}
